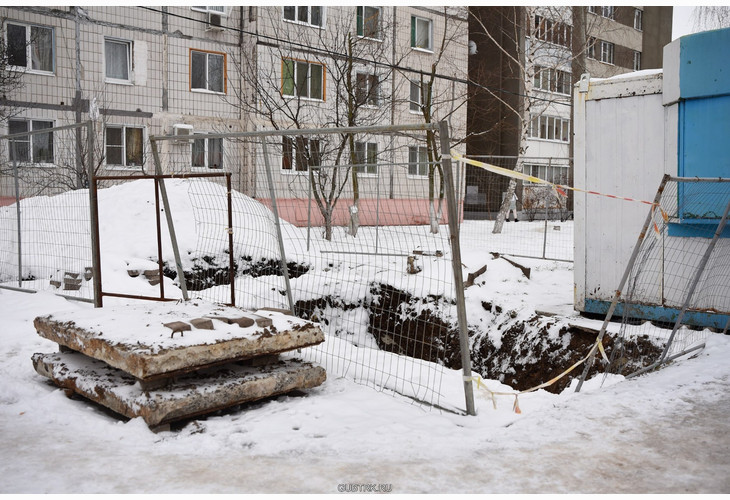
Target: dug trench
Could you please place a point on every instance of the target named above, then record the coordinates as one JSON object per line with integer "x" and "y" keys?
{"x": 526, "y": 353}
{"x": 518, "y": 352}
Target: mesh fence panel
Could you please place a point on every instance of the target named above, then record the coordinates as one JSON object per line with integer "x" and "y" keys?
{"x": 376, "y": 273}
{"x": 44, "y": 209}
{"x": 679, "y": 279}
{"x": 545, "y": 227}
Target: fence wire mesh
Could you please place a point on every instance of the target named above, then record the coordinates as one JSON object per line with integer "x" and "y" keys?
{"x": 545, "y": 227}
{"x": 679, "y": 279}
{"x": 44, "y": 209}
{"x": 375, "y": 270}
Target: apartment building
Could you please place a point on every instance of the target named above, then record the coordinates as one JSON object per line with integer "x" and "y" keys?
{"x": 554, "y": 46}
{"x": 142, "y": 71}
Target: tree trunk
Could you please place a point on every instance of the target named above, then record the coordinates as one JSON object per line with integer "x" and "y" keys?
{"x": 354, "y": 223}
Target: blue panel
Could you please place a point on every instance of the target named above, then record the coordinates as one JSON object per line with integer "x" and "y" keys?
{"x": 705, "y": 137}
{"x": 687, "y": 229}
{"x": 659, "y": 313}
{"x": 704, "y": 151}
{"x": 704, "y": 64}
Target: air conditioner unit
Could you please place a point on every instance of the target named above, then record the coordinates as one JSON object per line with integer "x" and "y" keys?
{"x": 182, "y": 131}
{"x": 215, "y": 21}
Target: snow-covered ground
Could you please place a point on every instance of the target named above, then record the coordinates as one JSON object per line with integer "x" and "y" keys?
{"x": 665, "y": 432}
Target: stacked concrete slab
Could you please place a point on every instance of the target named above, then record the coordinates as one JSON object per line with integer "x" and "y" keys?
{"x": 169, "y": 362}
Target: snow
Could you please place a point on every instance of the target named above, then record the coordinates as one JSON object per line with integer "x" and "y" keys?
{"x": 665, "y": 432}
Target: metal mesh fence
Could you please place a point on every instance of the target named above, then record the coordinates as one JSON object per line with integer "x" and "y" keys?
{"x": 677, "y": 291}
{"x": 364, "y": 232}
{"x": 44, "y": 209}
{"x": 542, "y": 226}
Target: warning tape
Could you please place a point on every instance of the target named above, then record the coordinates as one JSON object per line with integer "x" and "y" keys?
{"x": 516, "y": 406}
{"x": 558, "y": 187}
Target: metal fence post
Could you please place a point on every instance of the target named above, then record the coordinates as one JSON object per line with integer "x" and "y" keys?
{"x": 456, "y": 265}
{"x": 94, "y": 218}
{"x": 279, "y": 237}
{"x": 16, "y": 174}
{"x": 170, "y": 225}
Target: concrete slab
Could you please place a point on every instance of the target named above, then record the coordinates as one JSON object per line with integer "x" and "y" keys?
{"x": 134, "y": 339}
{"x": 188, "y": 396}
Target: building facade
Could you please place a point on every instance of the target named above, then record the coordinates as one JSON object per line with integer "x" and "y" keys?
{"x": 144, "y": 71}
{"x": 548, "y": 49}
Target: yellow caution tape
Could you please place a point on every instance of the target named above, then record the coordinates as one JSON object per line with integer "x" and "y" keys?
{"x": 516, "y": 407}
{"x": 558, "y": 187}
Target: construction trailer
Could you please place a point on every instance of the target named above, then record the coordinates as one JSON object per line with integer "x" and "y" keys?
{"x": 631, "y": 130}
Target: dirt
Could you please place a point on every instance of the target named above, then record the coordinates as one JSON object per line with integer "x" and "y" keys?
{"x": 526, "y": 353}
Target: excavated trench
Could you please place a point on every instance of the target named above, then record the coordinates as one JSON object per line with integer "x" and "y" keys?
{"x": 520, "y": 353}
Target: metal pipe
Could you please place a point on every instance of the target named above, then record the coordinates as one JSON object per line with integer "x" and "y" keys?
{"x": 624, "y": 278}
{"x": 312, "y": 131}
{"x": 671, "y": 358}
{"x": 456, "y": 266}
{"x": 159, "y": 238}
{"x": 140, "y": 297}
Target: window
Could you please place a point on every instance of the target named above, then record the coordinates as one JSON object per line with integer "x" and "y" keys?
{"x": 36, "y": 148}
{"x": 208, "y": 153}
{"x": 367, "y": 90}
{"x": 421, "y": 33}
{"x": 124, "y": 146}
{"x": 607, "y": 52}
{"x": 418, "y": 160}
{"x": 608, "y": 12}
{"x": 366, "y": 157}
{"x": 557, "y": 174}
{"x": 592, "y": 47}
{"x": 117, "y": 57}
{"x": 637, "y": 61}
{"x": 207, "y": 71}
{"x": 368, "y": 22}
{"x": 217, "y": 10}
{"x": 30, "y": 47}
{"x": 300, "y": 153}
{"x": 302, "y": 79}
{"x": 552, "y": 80}
{"x": 638, "y": 19}
{"x": 314, "y": 16}
{"x": 553, "y": 32}
{"x": 550, "y": 128}
{"x": 420, "y": 93}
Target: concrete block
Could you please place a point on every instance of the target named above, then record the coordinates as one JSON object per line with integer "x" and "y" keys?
{"x": 145, "y": 349}
{"x": 202, "y": 323}
{"x": 187, "y": 397}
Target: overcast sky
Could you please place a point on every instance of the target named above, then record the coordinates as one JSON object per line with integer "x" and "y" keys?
{"x": 682, "y": 21}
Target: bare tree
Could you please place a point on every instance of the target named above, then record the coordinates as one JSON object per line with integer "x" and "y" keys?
{"x": 542, "y": 53}
{"x": 288, "y": 91}
{"x": 440, "y": 100}
{"x": 711, "y": 17}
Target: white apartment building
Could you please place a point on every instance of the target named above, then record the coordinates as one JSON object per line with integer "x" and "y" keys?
{"x": 142, "y": 71}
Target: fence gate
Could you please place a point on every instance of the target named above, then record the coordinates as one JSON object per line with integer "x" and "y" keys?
{"x": 357, "y": 229}
{"x": 45, "y": 232}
